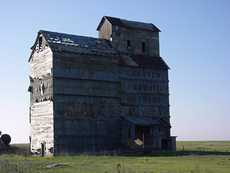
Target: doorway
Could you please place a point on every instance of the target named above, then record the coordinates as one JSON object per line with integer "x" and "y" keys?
{"x": 164, "y": 144}
{"x": 143, "y": 133}
{"x": 43, "y": 148}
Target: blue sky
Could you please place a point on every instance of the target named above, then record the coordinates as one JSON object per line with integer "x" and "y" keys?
{"x": 195, "y": 42}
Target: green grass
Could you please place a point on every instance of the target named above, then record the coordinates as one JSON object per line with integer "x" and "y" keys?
{"x": 210, "y": 146}
{"x": 193, "y": 163}
{"x": 110, "y": 164}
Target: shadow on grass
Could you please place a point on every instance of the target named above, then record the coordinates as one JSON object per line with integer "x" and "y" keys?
{"x": 177, "y": 153}
{"x": 202, "y": 152}
{"x": 16, "y": 149}
{"x": 23, "y": 149}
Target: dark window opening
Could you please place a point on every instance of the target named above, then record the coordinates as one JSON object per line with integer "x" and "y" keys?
{"x": 129, "y": 133}
{"x": 30, "y": 89}
{"x": 51, "y": 150}
{"x": 117, "y": 31}
{"x": 164, "y": 144}
{"x": 143, "y": 47}
{"x": 40, "y": 42}
{"x": 128, "y": 44}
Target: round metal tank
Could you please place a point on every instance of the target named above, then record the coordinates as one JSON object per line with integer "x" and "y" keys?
{"x": 6, "y": 139}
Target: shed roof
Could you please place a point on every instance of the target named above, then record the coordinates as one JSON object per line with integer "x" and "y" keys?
{"x": 144, "y": 61}
{"x": 150, "y": 62}
{"x": 129, "y": 24}
{"x": 142, "y": 121}
{"x": 146, "y": 121}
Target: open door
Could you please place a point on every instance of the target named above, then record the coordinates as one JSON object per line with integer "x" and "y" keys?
{"x": 164, "y": 144}
{"x": 143, "y": 133}
{"x": 43, "y": 148}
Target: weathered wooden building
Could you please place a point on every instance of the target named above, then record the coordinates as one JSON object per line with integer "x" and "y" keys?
{"x": 99, "y": 94}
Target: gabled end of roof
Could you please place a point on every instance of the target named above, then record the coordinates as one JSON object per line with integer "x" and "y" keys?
{"x": 128, "y": 24}
{"x": 34, "y": 45}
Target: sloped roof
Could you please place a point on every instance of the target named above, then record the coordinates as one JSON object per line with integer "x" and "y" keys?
{"x": 142, "y": 121}
{"x": 144, "y": 61}
{"x": 129, "y": 24}
{"x": 146, "y": 121}
{"x": 76, "y": 43}
{"x": 62, "y": 42}
{"x": 150, "y": 62}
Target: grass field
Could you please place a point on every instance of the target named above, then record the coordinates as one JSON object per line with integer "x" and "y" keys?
{"x": 209, "y": 162}
{"x": 208, "y": 146}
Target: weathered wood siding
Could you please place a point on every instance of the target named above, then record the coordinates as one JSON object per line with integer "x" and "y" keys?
{"x": 41, "y": 104}
{"x": 42, "y": 126}
{"x": 121, "y": 35}
{"x": 93, "y": 90}
{"x": 86, "y": 135}
{"x": 87, "y": 103}
{"x": 67, "y": 86}
{"x": 41, "y": 63}
{"x": 144, "y": 92}
{"x": 105, "y": 30}
{"x": 82, "y": 90}
{"x": 41, "y": 89}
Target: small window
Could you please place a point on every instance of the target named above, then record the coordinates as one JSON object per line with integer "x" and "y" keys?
{"x": 116, "y": 28}
{"x": 143, "y": 47}
{"x": 117, "y": 31}
{"x": 129, "y": 133}
{"x": 128, "y": 44}
{"x": 40, "y": 42}
{"x": 42, "y": 88}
